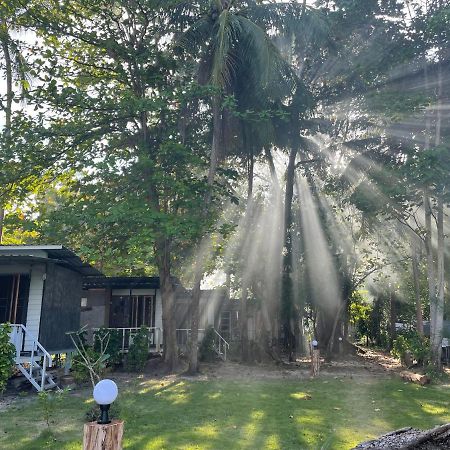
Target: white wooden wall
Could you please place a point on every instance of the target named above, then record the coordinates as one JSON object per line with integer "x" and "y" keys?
{"x": 35, "y": 301}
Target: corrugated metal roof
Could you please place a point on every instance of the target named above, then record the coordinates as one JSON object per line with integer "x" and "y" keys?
{"x": 56, "y": 253}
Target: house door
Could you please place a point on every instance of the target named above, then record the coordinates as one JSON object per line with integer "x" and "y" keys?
{"x": 14, "y": 290}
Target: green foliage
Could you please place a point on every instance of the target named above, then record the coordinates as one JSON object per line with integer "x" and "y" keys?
{"x": 81, "y": 372}
{"x": 360, "y": 316}
{"x": 436, "y": 374}
{"x": 7, "y": 353}
{"x": 50, "y": 403}
{"x": 207, "y": 352}
{"x": 113, "y": 338}
{"x": 413, "y": 343}
{"x": 138, "y": 352}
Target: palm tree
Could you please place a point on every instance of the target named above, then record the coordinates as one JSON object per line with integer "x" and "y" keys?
{"x": 237, "y": 57}
{"x": 15, "y": 69}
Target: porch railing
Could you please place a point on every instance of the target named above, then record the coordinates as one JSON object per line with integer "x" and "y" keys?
{"x": 127, "y": 335}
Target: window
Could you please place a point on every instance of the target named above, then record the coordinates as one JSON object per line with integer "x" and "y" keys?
{"x": 84, "y": 302}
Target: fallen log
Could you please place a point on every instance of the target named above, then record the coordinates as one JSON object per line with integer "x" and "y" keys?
{"x": 415, "y": 377}
{"x": 439, "y": 435}
{"x": 411, "y": 439}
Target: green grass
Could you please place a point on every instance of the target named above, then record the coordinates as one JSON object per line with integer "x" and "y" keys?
{"x": 276, "y": 414}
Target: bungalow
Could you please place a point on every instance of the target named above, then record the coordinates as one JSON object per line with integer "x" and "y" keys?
{"x": 40, "y": 291}
{"x": 47, "y": 291}
{"x": 128, "y": 303}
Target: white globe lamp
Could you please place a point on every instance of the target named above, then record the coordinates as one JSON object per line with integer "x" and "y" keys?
{"x": 105, "y": 392}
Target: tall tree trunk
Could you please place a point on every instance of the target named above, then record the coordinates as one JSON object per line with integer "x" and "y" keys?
{"x": 199, "y": 269}
{"x": 243, "y": 316}
{"x": 168, "y": 305}
{"x": 8, "y": 109}
{"x": 392, "y": 318}
{"x": 437, "y": 334}
{"x": 288, "y": 307}
{"x": 416, "y": 283}
{"x": 439, "y": 324}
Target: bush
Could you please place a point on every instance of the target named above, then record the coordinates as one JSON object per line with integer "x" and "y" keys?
{"x": 412, "y": 343}
{"x": 81, "y": 372}
{"x": 113, "y": 340}
{"x": 7, "y": 353}
{"x": 138, "y": 351}
{"x": 207, "y": 351}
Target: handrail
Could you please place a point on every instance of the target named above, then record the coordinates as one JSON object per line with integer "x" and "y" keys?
{"x": 35, "y": 341}
{"x": 226, "y": 345}
{"x": 20, "y": 329}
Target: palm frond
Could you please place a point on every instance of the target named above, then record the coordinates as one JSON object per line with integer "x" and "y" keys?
{"x": 224, "y": 63}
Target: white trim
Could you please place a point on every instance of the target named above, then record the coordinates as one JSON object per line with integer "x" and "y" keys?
{"x": 126, "y": 292}
{"x": 30, "y": 247}
{"x": 35, "y": 303}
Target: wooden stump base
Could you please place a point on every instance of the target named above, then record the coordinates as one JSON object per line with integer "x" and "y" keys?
{"x": 103, "y": 437}
{"x": 315, "y": 362}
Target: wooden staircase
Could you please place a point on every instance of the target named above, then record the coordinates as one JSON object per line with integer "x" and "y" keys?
{"x": 31, "y": 358}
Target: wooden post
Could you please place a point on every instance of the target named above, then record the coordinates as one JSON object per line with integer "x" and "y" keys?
{"x": 315, "y": 362}
{"x": 103, "y": 437}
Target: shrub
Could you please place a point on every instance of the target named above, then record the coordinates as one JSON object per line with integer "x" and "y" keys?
{"x": 138, "y": 351}
{"x": 81, "y": 371}
{"x": 207, "y": 351}
{"x": 413, "y": 343}
{"x": 7, "y": 353}
{"x": 113, "y": 341}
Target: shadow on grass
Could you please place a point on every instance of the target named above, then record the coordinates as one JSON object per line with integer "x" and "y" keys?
{"x": 275, "y": 414}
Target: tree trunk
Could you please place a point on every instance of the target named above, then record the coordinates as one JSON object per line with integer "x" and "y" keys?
{"x": 243, "y": 313}
{"x": 198, "y": 275}
{"x": 439, "y": 322}
{"x": 436, "y": 340}
{"x": 416, "y": 282}
{"x": 195, "y": 318}
{"x": 288, "y": 308}
{"x": 8, "y": 109}
{"x": 168, "y": 306}
{"x": 430, "y": 265}
{"x": 392, "y": 318}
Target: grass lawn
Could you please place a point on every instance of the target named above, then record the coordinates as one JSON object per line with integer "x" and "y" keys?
{"x": 275, "y": 414}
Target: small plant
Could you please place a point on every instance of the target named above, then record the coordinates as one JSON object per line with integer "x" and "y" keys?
{"x": 435, "y": 374}
{"x": 87, "y": 363}
{"x": 113, "y": 347}
{"x": 207, "y": 350}
{"x": 49, "y": 403}
{"x": 138, "y": 351}
{"x": 7, "y": 353}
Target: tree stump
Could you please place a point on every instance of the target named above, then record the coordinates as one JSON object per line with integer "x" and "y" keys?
{"x": 414, "y": 377}
{"x": 103, "y": 437}
{"x": 315, "y": 362}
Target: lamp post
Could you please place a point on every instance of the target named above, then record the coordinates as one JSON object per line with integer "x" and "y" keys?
{"x": 105, "y": 392}
{"x": 105, "y": 434}
{"x": 315, "y": 358}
